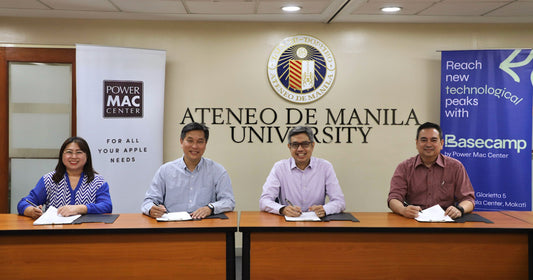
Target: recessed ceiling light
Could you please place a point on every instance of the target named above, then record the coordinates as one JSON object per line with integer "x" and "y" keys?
{"x": 291, "y": 8}
{"x": 391, "y": 9}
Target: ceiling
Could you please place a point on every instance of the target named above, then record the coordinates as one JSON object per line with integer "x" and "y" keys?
{"x": 326, "y": 11}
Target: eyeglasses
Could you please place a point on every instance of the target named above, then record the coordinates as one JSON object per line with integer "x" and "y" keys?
{"x": 304, "y": 145}
{"x": 70, "y": 153}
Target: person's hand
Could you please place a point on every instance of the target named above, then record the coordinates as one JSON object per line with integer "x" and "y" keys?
{"x": 201, "y": 213}
{"x": 411, "y": 211}
{"x": 33, "y": 212}
{"x": 319, "y": 210}
{"x": 453, "y": 212}
{"x": 292, "y": 211}
{"x": 157, "y": 211}
{"x": 69, "y": 210}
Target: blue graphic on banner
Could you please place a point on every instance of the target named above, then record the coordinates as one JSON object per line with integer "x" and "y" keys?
{"x": 486, "y": 112}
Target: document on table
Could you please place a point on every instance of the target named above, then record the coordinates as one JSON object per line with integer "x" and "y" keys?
{"x": 433, "y": 214}
{"x": 50, "y": 217}
{"x": 175, "y": 216}
{"x": 306, "y": 216}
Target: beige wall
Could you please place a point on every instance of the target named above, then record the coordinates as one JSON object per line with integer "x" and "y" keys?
{"x": 213, "y": 64}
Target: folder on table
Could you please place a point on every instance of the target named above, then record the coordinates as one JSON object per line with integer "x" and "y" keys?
{"x": 96, "y": 218}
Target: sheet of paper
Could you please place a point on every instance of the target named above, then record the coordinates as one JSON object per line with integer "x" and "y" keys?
{"x": 306, "y": 216}
{"x": 50, "y": 217}
{"x": 433, "y": 214}
{"x": 175, "y": 216}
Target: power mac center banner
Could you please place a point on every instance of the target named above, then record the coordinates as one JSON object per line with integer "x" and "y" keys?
{"x": 486, "y": 112}
{"x": 120, "y": 101}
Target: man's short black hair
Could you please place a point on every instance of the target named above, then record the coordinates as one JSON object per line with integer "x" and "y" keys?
{"x": 429, "y": 125}
{"x": 302, "y": 129}
{"x": 195, "y": 126}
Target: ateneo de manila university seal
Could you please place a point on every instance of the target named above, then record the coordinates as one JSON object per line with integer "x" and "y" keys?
{"x": 301, "y": 69}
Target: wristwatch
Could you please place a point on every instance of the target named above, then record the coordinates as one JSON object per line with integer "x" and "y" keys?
{"x": 210, "y": 205}
{"x": 460, "y": 208}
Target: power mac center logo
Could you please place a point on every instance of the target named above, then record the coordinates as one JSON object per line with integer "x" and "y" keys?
{"x": 301, "y": 69}
{"x": 123, "y": 99}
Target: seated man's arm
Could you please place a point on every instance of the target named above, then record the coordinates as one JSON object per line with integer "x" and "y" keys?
{"x": 455, "y": 212}
{"x": 408, "y": 211}
{"x": 467, "y": 205}
{"x": 271, "y": 190}
{"x": 155, "y": 194}
{"x": 398, "y": 192}
{"x": 464, "y": 193}
{"x": 225, "y": 201}
{"x": 336, "y": 202}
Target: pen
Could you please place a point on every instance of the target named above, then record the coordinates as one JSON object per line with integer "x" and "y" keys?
{"x": 290, "y": 204}
{"x": 32, "y": 204}
{"x": 158, "y": 204}
{"x": 407, "y": 204}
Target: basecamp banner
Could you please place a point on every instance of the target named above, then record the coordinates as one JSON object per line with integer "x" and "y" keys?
{"x": 120, "y": 94}
{"x": 486, "y": 119}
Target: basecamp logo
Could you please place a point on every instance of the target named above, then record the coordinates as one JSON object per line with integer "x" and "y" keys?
{"x": 123, "y": 99}
{"x": 301, "y": 69}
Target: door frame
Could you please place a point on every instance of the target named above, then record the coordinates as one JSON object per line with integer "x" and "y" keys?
{"x": 26, "y": 54}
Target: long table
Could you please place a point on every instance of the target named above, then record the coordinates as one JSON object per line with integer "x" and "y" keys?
{"x": 384, "y": 246}
{"x": 133, "y": 247}
{"x": 526, "y": 216}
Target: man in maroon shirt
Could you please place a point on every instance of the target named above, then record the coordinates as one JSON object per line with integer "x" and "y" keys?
{"x": 430, "y": 178}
